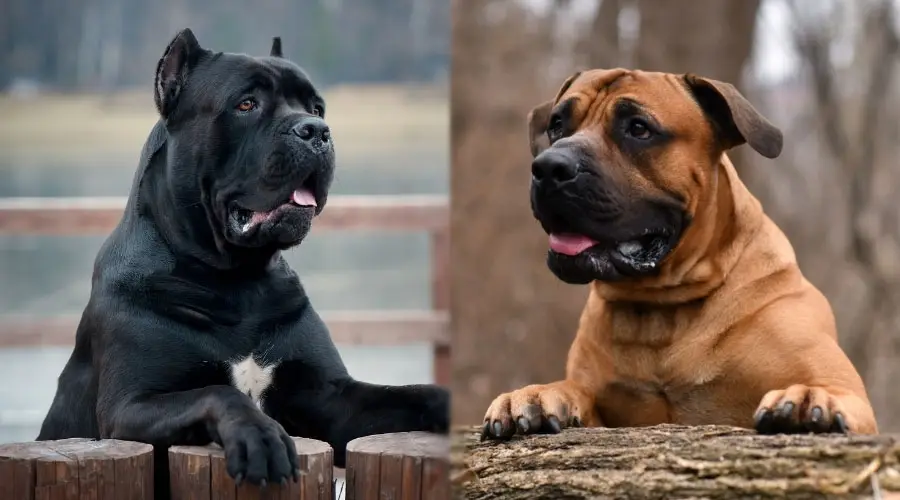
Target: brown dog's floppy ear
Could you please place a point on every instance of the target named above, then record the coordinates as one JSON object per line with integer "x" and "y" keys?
{"x": 539, "y": 119}
{"x": 735, "y": 120}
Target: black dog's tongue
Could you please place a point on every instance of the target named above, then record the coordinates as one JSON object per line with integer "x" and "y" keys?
{"x": 301, "y": 197}
{"x": 304, "y": 198}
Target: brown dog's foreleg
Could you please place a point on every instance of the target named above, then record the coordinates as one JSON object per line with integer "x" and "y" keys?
{"x": 811, "y": 384}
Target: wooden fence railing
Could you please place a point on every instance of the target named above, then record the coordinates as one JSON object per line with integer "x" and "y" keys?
{"x": 408, "y": 213}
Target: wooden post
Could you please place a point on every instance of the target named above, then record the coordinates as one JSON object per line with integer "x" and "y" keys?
{"x": 199, "y": 473}
{"x": 401, "y": 466}
{"x": 76, "y": 469}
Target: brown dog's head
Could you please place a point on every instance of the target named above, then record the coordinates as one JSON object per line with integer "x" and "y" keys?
{"x": 621, "y": 161}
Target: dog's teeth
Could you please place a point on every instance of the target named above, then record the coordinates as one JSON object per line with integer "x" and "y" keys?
{"x": 630, "y": 247}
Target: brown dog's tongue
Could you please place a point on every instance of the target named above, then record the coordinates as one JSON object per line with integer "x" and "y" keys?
{"x": 570, "y": 244}
{"x": 304, "y": 198}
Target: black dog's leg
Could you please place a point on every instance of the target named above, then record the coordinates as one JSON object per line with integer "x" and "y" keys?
{"x": 257, "y": 448}
{"x": 347, "y": 409}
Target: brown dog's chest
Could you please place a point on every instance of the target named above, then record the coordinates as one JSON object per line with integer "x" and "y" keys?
{"x": 650, "y": 387}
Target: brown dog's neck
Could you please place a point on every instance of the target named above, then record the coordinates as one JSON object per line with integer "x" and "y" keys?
{"x": 724, "y": 223}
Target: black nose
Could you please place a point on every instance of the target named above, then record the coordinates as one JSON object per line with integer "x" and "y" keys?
{"x": 311, "y": 128}
{"x": 553, "y": 166}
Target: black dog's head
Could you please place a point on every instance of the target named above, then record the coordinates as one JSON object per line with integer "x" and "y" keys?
{"x": 622, "y": 161}
{"x": 246, "y": 140}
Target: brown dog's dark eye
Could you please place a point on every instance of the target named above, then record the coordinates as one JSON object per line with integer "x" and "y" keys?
{"x": 639, "y": 129}
{"x": 554, "y": 129}
{"x": 246, "y": 105}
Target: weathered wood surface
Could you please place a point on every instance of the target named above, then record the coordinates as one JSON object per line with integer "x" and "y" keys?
{"x": 671, "y": 462}
{"x": 400, "y": 466}
{"x": 76, "y": 469}
{"x": 199, "y": 473}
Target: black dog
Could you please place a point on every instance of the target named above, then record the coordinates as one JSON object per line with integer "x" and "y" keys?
{"x": 197, "y": 330}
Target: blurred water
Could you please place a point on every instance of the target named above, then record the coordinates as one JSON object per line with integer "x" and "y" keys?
{"x": 358, "y": 270}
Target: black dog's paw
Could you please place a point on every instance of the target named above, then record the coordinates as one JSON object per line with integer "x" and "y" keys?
{"x": 258, "y": 450}
{"x": 436, "y": 416}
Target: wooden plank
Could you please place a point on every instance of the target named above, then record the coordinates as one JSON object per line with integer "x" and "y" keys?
{"x": 347, "y": 328}
{"x": 411, "y": 487}
{"x": 100, "y": 215}
{"x": 390, "y": 477}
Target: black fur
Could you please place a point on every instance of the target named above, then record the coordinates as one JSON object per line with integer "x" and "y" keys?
{"x": 179, "y": 290}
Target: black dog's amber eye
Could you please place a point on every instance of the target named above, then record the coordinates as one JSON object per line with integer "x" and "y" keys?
{"x": 318, "y": 110}
{"x": 639, "y": 129}
{"x": 246, "y": 105}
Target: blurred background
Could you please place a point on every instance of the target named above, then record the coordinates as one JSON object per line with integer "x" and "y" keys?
{"x": 76, "y": 81}
{"x": 827, "y": 72}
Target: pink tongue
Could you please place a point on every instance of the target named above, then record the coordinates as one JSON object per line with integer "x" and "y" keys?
{"x": 304, "y": 198}
{"x": 258, "y": 218}
{"x": 570, "y": 244}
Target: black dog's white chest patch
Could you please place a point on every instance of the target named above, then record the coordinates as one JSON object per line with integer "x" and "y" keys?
{"x": 252, "y": 378}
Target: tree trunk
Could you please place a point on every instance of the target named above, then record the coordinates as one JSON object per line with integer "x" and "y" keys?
{"x": 512, "y": 319}
{"x": 670, "y": 462}
{"x": 710, "y": 38}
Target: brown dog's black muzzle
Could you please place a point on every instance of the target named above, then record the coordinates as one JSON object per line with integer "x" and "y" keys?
{"x": 553, "y": 168}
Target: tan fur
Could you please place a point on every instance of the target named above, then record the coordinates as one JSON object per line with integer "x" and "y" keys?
{"x": 728, "y": 327}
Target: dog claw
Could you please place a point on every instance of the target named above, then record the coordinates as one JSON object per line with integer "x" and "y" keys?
{"x": 553, "y": 422}
{"x": 238, "y": 479}
{"x": 283, "y": 481}
{"x": 763, "y": 421}
{"x": 576, "y": 422}
{"x": 816, "y": 415}
{"x": 296, "y": 474}
{"x": 485, "y": 431}
{"x": 785, "y": 411}
{"x": 524, "y": 426}
{"x": 840, "y": 424}
{"x": 262, "y": 483}
{"x": 498, "y": 429}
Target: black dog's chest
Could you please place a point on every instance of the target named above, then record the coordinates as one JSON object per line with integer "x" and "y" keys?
{"x": 242, "y": 356}
{"x": 231, "y": 334}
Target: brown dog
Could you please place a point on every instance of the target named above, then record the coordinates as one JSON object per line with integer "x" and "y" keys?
{"x": 698, "y": 312}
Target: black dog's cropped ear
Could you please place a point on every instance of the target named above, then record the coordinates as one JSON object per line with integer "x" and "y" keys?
{"x": 276, "y": 47}
{"x": 172, "y": 70}
{"x": 734, "y": 119}
{"x": 539, "y": 119}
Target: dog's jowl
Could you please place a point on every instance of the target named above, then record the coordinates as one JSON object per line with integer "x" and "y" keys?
{"x": 197, "y": 330}
{"x": 698, "y": 312}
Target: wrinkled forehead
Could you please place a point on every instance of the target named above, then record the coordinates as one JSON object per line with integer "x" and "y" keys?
{"x": 225, "y": 76}
{"x": 662, "y": 95}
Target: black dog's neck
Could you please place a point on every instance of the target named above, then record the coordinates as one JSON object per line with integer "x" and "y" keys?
{"x": 183, "y": 219}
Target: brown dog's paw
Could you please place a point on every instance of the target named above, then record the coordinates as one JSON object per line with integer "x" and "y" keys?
{"x": 800, "y": 409}
{"x": 533, "y": 409}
